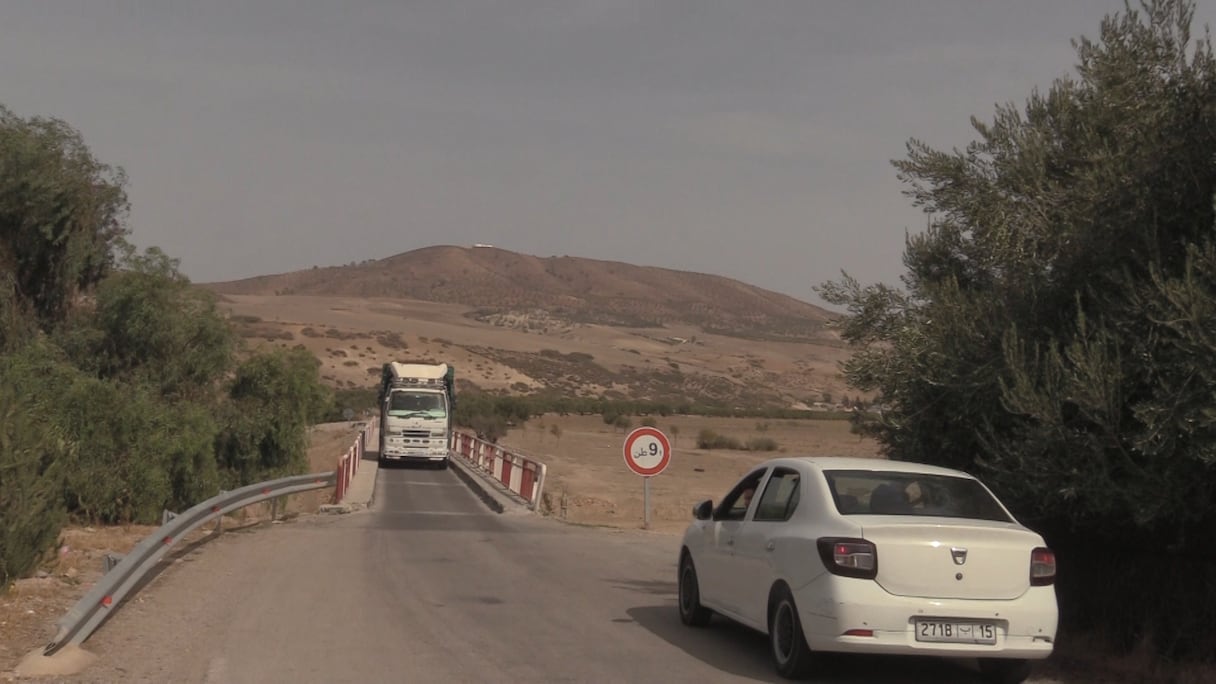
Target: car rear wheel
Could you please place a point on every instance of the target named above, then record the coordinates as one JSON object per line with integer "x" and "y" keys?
{"x": 692, "y": 613}
{"x": 1005, "y": 670}
{"x": 791, "y": 655}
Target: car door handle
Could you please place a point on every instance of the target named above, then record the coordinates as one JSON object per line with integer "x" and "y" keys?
{"x": 770, "y": 546}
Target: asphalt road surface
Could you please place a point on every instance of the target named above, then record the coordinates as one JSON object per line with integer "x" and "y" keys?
{"x": 429, "y": 585}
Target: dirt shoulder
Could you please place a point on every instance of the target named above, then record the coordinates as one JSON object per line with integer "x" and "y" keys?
{"x": 30, "y": 608}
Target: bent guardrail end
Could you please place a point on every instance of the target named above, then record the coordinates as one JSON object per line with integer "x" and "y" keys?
{"x": 57, "y": 642}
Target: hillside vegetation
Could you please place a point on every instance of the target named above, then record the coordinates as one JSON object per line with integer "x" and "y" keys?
{"x": 518, "y": 289}
{"x": 353, "y": 337}
{"x": 122, "y": 391}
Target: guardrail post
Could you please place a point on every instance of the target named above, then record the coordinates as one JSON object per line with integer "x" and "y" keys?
{"x": 219, "y": 519}
{"x": 109, "y": 560}
{"x": 539, "y": 490}
{"x": 340, "y": 486}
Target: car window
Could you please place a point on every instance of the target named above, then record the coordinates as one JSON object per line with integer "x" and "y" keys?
{"x": 734, "y": 506}
{"x": 864, "y": 492}
{"x": 780, "y": 496}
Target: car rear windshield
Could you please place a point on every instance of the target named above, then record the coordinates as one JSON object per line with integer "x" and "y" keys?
{"x": 865, "y": 492}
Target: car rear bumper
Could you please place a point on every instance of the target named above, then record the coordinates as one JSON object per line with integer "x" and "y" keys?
{"x": 1025, "y": 626}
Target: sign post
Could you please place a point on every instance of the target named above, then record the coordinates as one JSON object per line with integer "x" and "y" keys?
{"x": 647, "y": 453}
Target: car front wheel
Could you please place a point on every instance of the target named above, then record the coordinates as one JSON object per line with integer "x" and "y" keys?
{"x": 692, "y": 613}
{"x": 791, "y": 655}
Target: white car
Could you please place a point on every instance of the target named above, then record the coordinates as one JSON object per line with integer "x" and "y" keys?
{"x": 863, "y": 555}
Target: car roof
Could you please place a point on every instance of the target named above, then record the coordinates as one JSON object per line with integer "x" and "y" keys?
{"x": 822, "y": 463}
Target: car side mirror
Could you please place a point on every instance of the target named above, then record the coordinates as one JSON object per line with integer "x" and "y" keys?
{"x": 703, "y": 510}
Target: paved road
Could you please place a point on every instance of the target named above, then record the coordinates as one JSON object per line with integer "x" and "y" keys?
{"x": 428, "y": 585}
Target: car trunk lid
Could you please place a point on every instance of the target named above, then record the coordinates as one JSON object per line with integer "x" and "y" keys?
{"x": 952, "y": 559}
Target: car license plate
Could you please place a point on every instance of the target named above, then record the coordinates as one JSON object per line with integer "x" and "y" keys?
{"x": 956, "y": 631}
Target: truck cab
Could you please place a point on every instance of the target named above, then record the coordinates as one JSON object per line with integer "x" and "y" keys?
{"x": 416, "y": 401}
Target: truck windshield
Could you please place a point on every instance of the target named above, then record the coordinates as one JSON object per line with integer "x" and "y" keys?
{"x": 408, "y": 403}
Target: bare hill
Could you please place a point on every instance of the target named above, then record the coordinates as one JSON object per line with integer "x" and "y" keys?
{"x": 504, "y": 287}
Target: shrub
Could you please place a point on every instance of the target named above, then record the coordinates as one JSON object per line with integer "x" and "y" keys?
{"x": 117, "y": 477}
{"x": 762, "y": 444}
{"x": 709, "y": 439}
{"x": 31, "y": 502}
{"x": 391, "y": 340}
{"x": 273, "y": 398}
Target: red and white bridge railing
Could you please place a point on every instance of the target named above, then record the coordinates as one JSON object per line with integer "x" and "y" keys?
{"x": 518, "y": 474}
{"x": 348, "y": 463}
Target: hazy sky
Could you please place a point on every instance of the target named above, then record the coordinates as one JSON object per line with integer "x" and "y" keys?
{"x": 750, "y": 138}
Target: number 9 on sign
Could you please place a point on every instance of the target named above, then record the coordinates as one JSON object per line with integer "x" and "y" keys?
{"x": 647, "y": 451}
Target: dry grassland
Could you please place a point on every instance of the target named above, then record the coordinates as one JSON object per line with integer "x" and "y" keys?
{"x": 588, "y": 482}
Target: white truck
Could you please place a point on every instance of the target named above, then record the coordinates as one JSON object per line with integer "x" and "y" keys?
{"x": 416, "y": 403}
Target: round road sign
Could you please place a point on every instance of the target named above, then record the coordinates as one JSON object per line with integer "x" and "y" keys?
{"x": 647, "y": 451}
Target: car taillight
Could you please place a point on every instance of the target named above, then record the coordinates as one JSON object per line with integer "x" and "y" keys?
{"x": 849, "y": 557}
{"x": 1042, "y": 567}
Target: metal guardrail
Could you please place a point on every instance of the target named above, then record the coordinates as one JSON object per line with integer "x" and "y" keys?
{"x": 348, "y": 463}
{"x": 126, "y": 572}
{"x": 522, "y": 476}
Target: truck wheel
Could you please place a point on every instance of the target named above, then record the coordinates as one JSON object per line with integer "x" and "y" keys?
{"x": 443, "y": 465}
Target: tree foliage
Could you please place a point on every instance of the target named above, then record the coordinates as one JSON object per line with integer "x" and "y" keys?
{"x": 148, "y": 325}
{"x": 273, "y": 398}
{"x": 120, "y": 390}
{"x": 1057, "y": 322}
{"x": 61, "y": 216}
{"x": 31, "y": 510}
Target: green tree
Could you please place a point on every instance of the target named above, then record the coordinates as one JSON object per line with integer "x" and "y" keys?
{"x": 1051, "y": 238}
{"x": 118, "y": 474}
{"x": 273, "y": 398}
{"x": 149, "y": 325}
{"x": 1054, "y": 333}
{"x": 61, "y": 216}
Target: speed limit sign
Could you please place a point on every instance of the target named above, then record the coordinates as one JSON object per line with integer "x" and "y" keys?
{"x": 647, "y": 451}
